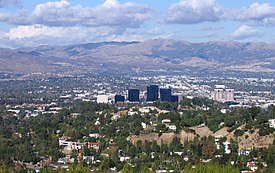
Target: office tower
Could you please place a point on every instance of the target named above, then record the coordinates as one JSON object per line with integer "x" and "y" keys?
{"x": 165, "y": 94}
{"x": 119, "y": 98}
{"x": 174, "y": 98}
{"x": 133, "y": 95}
{"x": 218, "y": 94}
{"x": 102, "y": 99}
{"x": 229, "y": 95}
{"x": 152, "y": 93}
{"x": 222, "y": 94}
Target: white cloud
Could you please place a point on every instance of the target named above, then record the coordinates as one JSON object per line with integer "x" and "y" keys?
{"x": 22, "y": 32}
{"x": 35, "y": 35}
{"x": 62, "y": 13}
{"x": 60, "y": 23}
{"x": 19, "y": 18}
{"x": 6, "y": 3}
{"x": 198, "y": 11}
{"x": 194, "y": 11}
{"x": 111, "y": 3}
{"x": 39, "y": 34}
{"x": 255, "y": 11}
{"x": 245, "y": 32}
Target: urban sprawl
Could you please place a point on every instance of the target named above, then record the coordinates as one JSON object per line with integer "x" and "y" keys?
{"x": 138, "y": 124}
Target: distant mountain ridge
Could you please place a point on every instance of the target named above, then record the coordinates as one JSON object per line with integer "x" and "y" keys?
{"x": 157, "y": 54}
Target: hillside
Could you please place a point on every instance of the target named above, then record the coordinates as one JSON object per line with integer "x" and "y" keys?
{"x": 152, "y": 55}
{"x": 246, "y": 141}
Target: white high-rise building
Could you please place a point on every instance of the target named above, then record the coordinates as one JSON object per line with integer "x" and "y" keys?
{"x": 218, "y": 94}
{"x": 102, "y": 99}
{"x": 229, "y": 95}
{"x": 224, "y": 95}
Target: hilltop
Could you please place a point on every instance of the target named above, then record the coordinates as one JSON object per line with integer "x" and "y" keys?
{"x": 150, "y": 55}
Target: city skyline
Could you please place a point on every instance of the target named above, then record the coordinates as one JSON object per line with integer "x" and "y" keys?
{"x": 34, "y": 23}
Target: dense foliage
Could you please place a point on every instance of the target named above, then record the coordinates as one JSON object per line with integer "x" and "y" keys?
{"x": 36, "y": 138}
{"x": 212, "y": 168}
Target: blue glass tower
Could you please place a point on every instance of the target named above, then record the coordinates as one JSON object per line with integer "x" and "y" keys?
{"x": 119, "y": 98}
{"x": 152, "y": 93}
{"x": 165, "y": 94}
{"x": 133, "y": 95}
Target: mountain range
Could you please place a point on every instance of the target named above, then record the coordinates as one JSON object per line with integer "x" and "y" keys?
{"x": 150, "y": 55}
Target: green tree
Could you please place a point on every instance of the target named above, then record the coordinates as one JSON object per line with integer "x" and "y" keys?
{"x": 230, "y": 121}
{"x": 270, "y": 156}
{"x": 78, "y": 169}
{"x": 127, "y": 169}
{"x": 211, "y": 168}
{"x": 144, "y": 169}
{"x": 209, "y": 149}
{"x": 87, "y": 151}
{"x": 233, "y": 146}
{"x": 261, "y": 118}
{"x": 104, "y": 166}
{"x": 238, "y": 133}
{"x": 254, "y": 111}
{"x": 4, "y": 169}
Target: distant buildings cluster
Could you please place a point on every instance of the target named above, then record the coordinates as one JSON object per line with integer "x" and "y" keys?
{"x": 153, "y": 93}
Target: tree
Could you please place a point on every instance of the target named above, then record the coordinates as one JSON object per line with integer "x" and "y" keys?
{"x": 155, "y": 147}
{"x": 261, "y": 118}
{"x": 147, "y": 147}
{"x": 104, "y": 166}
{"x": 78, "y": 169}
{"x": 211, "y": 168}
{"x": 230, "y": 121}
{"x": 272, "y": 112}
{"x": 233, "y": 146}
{"x": 265, "y": 130}
{"x": 87, "y": 151}
{"x": 47, "y": 170}
{"x": 238, "y": 133}
{"x": 175, "y": 144}
{"x": 156, "y": 165}
{"x": 127, "y": 169}
{"x": 209, "y": 149}
{"x": 254, "y": 111}
{"x": 4, "y": 169}
{"x": 270, "y": 157}
{"x": 144, "y": 169}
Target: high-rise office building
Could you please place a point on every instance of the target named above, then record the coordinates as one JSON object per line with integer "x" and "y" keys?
{"x": 165, "y": 94}
{"x": 119, "y": 98}
{"x": 229, "y": 95}
{"x": 218, "y": 94}
{"x": 133, "y": 95}
{"x": 222, "y": 94}
{"x": 174, "y": 98}
{"x": 102, "y": 99}
{"x": 152, "y": 93}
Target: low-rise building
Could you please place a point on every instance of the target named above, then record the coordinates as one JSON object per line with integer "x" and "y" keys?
{"x": 271, "y": 123}
{"x": 172, "y": 127}
{"x": 93, "y": 145}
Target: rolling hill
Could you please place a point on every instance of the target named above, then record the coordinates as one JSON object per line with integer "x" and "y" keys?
{"x": 158, "y": 54}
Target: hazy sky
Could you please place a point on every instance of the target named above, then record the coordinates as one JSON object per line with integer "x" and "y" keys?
{"x": 36, "y": 22}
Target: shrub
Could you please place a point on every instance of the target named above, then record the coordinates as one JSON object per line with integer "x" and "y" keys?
{"x": 238, "y": 133}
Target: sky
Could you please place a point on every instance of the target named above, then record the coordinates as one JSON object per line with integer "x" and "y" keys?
{"x": 31, "y": 23}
